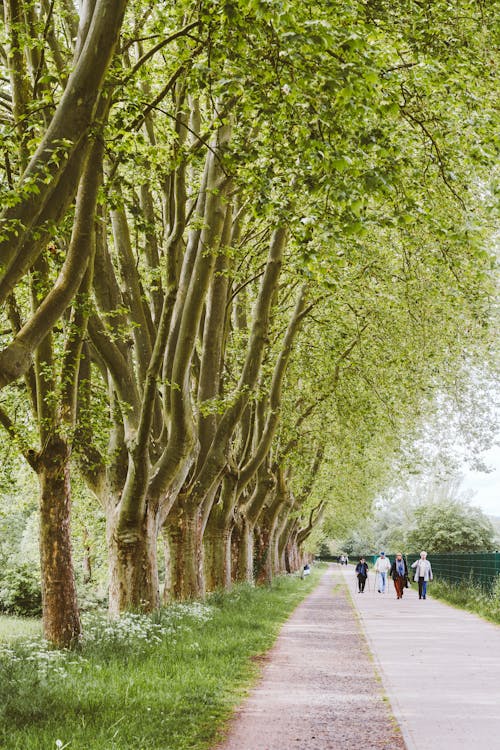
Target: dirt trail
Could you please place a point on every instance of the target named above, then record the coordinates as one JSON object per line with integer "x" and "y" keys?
{"x": 319, "y": 689}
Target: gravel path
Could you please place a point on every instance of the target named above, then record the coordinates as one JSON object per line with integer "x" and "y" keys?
{"x": 319, "y": 689}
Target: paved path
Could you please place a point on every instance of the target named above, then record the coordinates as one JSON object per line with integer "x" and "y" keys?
{"x": 318, "y": 689}
{"x": 440, "y": 667}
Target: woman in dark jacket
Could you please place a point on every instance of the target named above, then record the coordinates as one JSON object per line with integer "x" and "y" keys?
{"x": 399, "y": 574}
{"x": 362, "y": 573}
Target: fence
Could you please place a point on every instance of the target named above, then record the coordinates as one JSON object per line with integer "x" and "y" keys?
{"x": 480, "y": 567}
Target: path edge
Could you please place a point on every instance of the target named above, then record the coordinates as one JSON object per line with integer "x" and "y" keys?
{"x": 396, "y": 709}
{"x": 223, "y": 732}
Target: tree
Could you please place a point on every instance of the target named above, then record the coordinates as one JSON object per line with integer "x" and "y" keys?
{"x": 451, "y": 526}
{"x": 50, "y": 159}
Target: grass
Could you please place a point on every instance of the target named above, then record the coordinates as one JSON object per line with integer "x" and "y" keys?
{"x": 14, "y": 628}
{"x": 470, "y": 596}
{"x": 168, "y": 682}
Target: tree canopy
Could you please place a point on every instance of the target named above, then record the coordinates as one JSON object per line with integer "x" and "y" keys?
{"x": 451, "y": 527}
{"x": 245, "y": 246}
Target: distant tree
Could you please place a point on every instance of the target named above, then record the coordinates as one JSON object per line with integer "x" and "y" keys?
{"x": 324, "y": 550}
{"x": 495, "y": 520}
{"x": 452, "y": 526}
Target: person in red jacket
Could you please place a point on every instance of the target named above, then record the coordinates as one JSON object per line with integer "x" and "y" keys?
{"x": 399, "y": 574}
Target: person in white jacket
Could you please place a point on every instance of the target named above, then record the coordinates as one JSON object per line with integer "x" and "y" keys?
{"x": 381, "y": 568}
{"x": 423, "y": 574}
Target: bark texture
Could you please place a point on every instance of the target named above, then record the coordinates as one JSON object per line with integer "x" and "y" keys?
{"x": 61, "y": 618}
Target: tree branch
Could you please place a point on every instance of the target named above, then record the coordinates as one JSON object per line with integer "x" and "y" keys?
{"x": 28, "y": 453}
{"x": 15, "y": 360}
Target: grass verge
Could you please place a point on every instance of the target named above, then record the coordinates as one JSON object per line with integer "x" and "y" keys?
{"x": 470, "y": 596}
{"x": 167, "y": 682}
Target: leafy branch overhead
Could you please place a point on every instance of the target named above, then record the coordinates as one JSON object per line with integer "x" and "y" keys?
{"x": 246, "y": 247}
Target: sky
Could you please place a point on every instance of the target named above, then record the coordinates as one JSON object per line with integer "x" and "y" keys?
{"x": 485, "y": 486}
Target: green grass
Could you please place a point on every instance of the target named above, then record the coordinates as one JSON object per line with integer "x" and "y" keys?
{"x": 470, "y": 596}
{"x": 14, "y": 628}
{"x": 169, "y": 682}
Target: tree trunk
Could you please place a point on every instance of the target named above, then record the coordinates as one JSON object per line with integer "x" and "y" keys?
{"x": 184, "y": 529}
{"x": 217, "y": 535}
{"x": 167, "y": 580}
{"x": 288, "y": 559}
{"x": 245, "y": 568}
{"x": 293, "y": 554}
{"x": 262, "y": 555}
{"x": 280, "y": 538}
{"x": 133, "y": 566}
{"x": 284, "y": 543}
{"x": 276, "y": 562}
{"x": 267, "y": 539}
{"x": 250, "y": 555}
{"x": 236, "y": 542}
{"x": 217, "y": 545}
{"x": 61, "y": 618}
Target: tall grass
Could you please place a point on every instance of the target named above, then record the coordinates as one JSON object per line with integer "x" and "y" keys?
{"x": 167, "y": 682}
{"x": 470, "y": 596}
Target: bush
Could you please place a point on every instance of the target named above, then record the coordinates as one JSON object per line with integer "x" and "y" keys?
{"x": 91, "y": 599}
{"x": 20, "y": 591}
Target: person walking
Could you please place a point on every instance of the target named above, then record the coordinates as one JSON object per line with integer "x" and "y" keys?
{"x": 423, "y": 574}
{"x": 399, "y": 574}
{"x": 361, "y": 571}
{"x": 382, "y": 566}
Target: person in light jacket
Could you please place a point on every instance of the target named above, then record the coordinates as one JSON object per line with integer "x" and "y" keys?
{"x": 382, "y": 567}
{"x": 423, "y": 574}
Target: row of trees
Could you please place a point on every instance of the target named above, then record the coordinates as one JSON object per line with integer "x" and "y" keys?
{"x": 243, "y": 247}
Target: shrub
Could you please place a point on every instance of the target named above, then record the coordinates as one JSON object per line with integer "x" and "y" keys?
{"x": 20, "y": 591}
